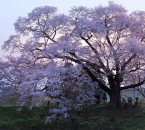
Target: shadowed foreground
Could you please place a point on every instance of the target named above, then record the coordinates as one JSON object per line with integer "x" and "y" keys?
{"x": 99, "y": 118}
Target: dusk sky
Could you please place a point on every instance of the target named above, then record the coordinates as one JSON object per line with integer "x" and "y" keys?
{"x": 10, "y": 10}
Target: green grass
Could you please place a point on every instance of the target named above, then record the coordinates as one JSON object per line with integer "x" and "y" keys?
{"x": 98, "y": 119}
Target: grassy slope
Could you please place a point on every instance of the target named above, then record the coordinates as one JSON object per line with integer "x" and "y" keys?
{"x": 98, "y": 119}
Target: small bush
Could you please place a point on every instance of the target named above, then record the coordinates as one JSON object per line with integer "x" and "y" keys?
{"x": 94, "y": 118}
{"x": 84, "y": 124}
{"x": 138, "y": 115}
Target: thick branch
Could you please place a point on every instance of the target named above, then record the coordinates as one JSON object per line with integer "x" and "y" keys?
{"x": 114, "y": 52}
{"x": 93, "y": 65}
{"x": 107, "y": 37}
{"x": 96, "y": 52}
{"x": 94, "y": 79}
{"x": 132, "y": 86}
{"x": 86, "y": 40}
{"x": 104, "y": 87}
{"x": 127, "y": 62}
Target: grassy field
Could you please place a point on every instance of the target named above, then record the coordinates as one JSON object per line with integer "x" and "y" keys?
{"x": 98, "y": 119}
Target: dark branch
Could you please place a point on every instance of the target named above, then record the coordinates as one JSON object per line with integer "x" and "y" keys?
{"x": 132, "y": 86}
{"x": 104, "y": 87}
{"x": 93, "y": 77}
{"x": 127, "y": 62}
{"x": 96, "y": 52}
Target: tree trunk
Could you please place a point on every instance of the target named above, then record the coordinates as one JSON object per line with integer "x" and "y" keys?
{"x": 115, "y": 99}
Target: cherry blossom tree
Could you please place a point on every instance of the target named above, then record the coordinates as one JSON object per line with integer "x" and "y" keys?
{"x": 103, "y": 40}
{"x": 16, "y": 81}
{"x": 27, "y": 83}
